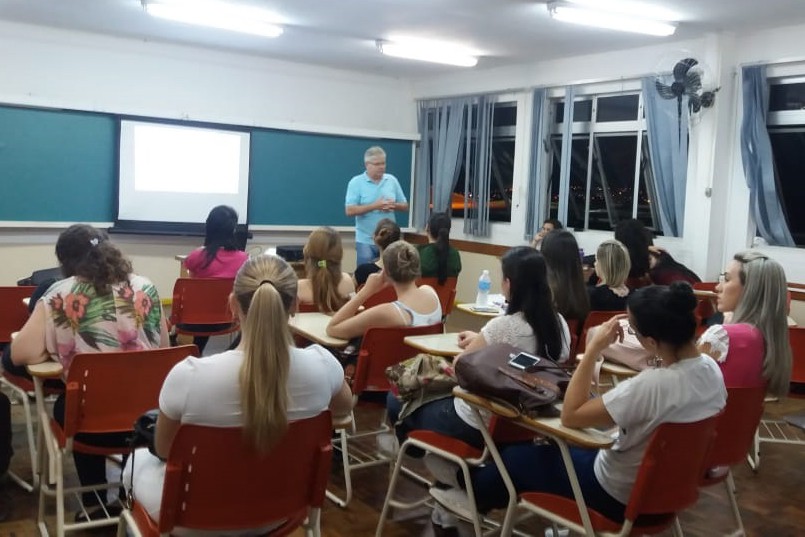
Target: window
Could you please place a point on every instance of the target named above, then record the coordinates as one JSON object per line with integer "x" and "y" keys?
{"x": 610, "y": 172}
{"x": 504, "y": 122}
{"x": 786, "y": 125}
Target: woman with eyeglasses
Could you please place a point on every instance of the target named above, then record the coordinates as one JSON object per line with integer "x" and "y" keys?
{"x": 663, "y": 320}
{"x": 752, "y": 345}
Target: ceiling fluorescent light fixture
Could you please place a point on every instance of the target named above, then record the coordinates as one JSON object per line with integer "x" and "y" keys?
{"x": 215, "y": 14}
{"x": 612, "y": 20}
{"x": 428, "y": 51}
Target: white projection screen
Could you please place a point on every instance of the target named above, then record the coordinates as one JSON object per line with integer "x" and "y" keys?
{"x": 177, "y": 173}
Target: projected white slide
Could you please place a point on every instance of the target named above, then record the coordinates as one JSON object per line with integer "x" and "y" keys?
{"x": 176, "y": 173}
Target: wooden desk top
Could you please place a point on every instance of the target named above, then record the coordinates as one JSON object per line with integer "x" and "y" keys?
{"x": 470, "y": 308}
{"x": 704, "y": 293}
{"x": 589, "y": 438}
{"x": 48, "y": 369}
{"x": 313, "y": 326}
{"x": 438, "y": 344}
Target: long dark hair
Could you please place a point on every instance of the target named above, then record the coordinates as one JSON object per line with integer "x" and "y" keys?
{"x": 219, "y": 232}
{"x": 561, "y": 253}
{"x": 88, "y": 253}
{"x": 530, "y": 294}
{"x": 634, "y": 235}
{"x": 665, "y": 313}
{"x": 439, "y": 229}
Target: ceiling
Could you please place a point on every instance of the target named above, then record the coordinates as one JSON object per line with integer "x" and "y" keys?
{"x": 342, "y": 33}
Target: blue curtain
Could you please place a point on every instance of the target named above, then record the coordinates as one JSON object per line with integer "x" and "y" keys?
{"x": 441, "y": 127}
{"x": 667, "y": 133}
{"x": 758, "y": 161}
{"x": 536, "y": 210}
{"x": 479, "y": 161}
{"x": 567, "y": 154}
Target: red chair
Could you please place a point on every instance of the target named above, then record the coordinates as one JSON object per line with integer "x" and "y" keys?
{"x": 667, "y": 483}
{"x": 214, "y": 481}
{"x": 735, "y": 433}
{"x": 200, "y": 307}
{"x": 106, "y": 392}
{"x": 446, "y": 292}
{"x": 594, "y": 318}
{"x": 385, "y": 295}
{"x": 13, "y": 315}
{"x": 13, "y": 311}
{"x": 380, "y": 348}
{"x": 786, "y": 430}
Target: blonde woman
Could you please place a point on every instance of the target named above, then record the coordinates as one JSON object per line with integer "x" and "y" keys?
{"x": 415, "y": 306}
{"x": 325, "y": 286}
{"x": 612, "y": 265}
{"x": 262, "y": 385}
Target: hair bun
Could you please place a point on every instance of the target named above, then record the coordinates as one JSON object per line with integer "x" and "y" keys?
{"x": 681, "y": 297}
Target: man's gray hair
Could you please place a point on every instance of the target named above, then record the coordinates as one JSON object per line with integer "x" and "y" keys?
{"x": 372, "y": 152}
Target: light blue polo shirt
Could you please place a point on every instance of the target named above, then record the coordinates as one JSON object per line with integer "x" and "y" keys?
{"x": 362, "y": 191}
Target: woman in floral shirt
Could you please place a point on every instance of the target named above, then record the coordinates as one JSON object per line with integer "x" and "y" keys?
{"x": 100, "y": 306}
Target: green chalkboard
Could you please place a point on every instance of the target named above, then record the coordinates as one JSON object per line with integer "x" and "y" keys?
{"x": 301, "y": 178}
{"x": 57, "y": 166}
{"x": 61, "y": 166}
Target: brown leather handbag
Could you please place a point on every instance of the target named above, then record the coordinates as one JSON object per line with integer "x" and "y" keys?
{"x": 487, "y": 372}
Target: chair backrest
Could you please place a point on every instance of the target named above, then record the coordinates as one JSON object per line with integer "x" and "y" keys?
{"x": 201, "y": 301}
{"x": 446, "y": 291}
{"x": 736, "y": 426}
{"x": 107, "y": 391}
{"x": 215, "y": 481}
{"x": 385, "y": 295}
{"x": 13, "y": 313}
{"x": 672, "y": 467}
{"x": 381, "y": 348}
{"x": 796, "y": 335}
{"x": 594, "y": 318}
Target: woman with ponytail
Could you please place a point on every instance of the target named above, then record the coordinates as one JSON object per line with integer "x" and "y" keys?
{"x": 261, "y": 386}
{"x": 100, "y": 306}
{"x": 325, "y": 286}
{"x": 439, "y": 259}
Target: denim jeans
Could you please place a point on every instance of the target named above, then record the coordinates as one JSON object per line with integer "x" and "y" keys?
{"x": 366, "y": 253}
{"x": 439, "y": 416}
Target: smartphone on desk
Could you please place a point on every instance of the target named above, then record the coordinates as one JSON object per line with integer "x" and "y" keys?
{"x": 525, "y": 362}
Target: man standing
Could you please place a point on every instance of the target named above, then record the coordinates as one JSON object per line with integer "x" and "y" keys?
{"x": 371, "y": 196}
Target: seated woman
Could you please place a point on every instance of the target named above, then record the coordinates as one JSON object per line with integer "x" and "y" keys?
{"x": 439, "y": 260}
{"x": 752, "y": 346}
{"x": 326, "y": 287}
{"x": 218, "y": 258}
{"x": 565, "y": 278}
{"x": 415, "y": 306}
{"x": 386, "y": 232}
{"x": 531, "y": 323}
{"x": 665, "y": 270}
{"x": 662, "y": 319}
{"x": 100, "y": 306}
{"x": 612, "y": 267}
{"x": 550, "y": 224}
{"x": 637, "y": 240}
{"x": 260, "y": 386}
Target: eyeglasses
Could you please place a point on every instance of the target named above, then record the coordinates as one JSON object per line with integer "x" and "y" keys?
{"x": 631, "y": 331}
{"x": 722, "y": 278}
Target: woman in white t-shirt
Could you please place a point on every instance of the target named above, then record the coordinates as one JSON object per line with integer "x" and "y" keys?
{"x": 686, "y": 387}
{"x": 261, "y": 386}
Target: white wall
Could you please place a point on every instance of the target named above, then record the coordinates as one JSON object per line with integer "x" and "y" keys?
{"x": 716, "y": 222}
{"x": 49, "y": 67}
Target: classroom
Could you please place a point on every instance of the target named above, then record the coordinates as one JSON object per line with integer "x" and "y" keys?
{"x": 313, "y": 106}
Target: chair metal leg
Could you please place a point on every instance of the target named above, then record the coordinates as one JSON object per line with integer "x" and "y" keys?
{"x": 344, "y": 441}
{"x": 736, "y": 512}
{"x": 677, "y": 528}
{"x": 753, "y": 458}
{"x": 22, "y": 396}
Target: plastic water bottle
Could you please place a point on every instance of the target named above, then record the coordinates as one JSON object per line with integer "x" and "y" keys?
{"x": 484, "y": 285}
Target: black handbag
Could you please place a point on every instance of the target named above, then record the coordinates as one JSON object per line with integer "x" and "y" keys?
{"x": 487, "y": 372}
{"x": 145, "y": 432}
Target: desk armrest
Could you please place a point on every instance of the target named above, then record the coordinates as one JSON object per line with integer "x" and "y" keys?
{"x": 45, "y": 370}
{"x": 501, "y": 408}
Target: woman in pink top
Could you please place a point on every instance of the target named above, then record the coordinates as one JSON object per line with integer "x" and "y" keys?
{"x": 752, "y": 344}
{"x": 219, "y": 257}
